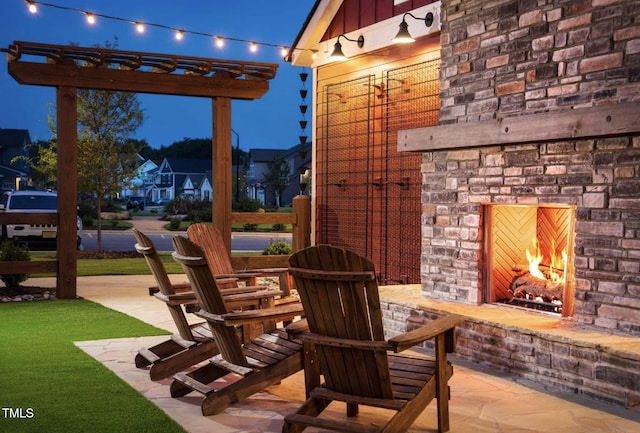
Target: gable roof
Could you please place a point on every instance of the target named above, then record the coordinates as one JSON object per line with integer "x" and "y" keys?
{"x": 376, "y": 20}
{"x": 180, "y": 165}
{"x": 14, "y": 138}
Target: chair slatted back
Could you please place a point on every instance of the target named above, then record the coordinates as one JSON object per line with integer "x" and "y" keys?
{"x": 204, "y": 285}
{"x": 339, "y": 293}
{"x": 209, "y": 238}
{"x": 146, "y": 247}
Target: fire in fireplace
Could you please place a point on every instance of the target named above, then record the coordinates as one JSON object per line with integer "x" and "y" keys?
{"x": 529, "y": 256}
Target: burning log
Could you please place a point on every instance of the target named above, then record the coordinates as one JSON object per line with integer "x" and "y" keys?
{"x": 526, "y": 286}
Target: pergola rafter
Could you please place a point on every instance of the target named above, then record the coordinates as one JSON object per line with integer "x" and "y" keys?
{"x": 68, "y": 68}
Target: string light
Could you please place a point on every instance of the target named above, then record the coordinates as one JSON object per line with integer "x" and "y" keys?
{"x": 140, "y": 27}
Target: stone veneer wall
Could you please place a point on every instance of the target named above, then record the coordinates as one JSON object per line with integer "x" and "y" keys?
{"x": 554, "y": 361}
{"x": 506, "y": 58}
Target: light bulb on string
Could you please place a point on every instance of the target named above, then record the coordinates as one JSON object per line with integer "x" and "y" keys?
{"x": 91, "y": 17}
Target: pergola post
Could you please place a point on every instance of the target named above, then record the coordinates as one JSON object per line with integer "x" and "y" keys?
{"x": 221, "y": 168}
{"x": 67, "y": 124}
{"x": 71, "y": 67}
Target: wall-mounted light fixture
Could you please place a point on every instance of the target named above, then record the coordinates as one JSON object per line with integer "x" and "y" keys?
{"x": 403, "y": 36}
{"x": 337, "y": 54}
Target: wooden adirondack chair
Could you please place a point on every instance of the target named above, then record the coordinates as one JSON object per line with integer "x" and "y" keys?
{"x": 339, "y": 292}
{"x": 262, "y": 362}
{"x": 210, "y": 240}
{"x": 193, "y": 343}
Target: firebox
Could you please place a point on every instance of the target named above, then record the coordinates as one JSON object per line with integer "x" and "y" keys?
{"x": 529, "y": 256}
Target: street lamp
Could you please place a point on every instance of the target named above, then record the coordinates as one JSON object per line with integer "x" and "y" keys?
{"x": 237, "y": 166}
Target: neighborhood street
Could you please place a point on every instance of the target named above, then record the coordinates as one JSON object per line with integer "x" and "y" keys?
{"x": 152, "y": 227}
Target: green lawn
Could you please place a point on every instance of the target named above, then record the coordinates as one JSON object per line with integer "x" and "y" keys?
{"x": 54, "y": 386}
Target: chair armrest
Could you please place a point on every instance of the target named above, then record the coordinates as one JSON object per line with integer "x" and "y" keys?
{"x": 263, "y": 271}
{"x": 242, "y": 276}
{"x": 242, "y": 289}
{"x": 323, "y": 340}
{"x": 444, "y": 325}
{"x": 252, "y": 316}
{"x": 177, "y": 299}
{"x": 251, "y": 296}
{"x": 180, "y": 287}
{"x": 297, "y": 327}
{"x": 209, "y": 317}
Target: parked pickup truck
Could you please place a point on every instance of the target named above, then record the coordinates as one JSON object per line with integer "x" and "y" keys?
{"x": 33, "y": 201}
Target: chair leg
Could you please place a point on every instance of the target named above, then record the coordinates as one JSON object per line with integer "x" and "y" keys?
{"x": 202, "y": 376}
{"x": 245, "y": 387}
{"x": 311, "y": 407}
{"x": 182, "y": 360}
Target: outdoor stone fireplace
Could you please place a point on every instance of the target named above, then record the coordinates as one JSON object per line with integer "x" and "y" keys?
{"x": 594, "y": 177}
{"x": 528, "y": 256}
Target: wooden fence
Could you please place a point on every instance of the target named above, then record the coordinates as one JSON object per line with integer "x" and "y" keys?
{"x": 300, "y": 220}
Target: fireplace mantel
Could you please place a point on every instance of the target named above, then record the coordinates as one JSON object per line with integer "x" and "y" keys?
{"x": 592, "y": 122}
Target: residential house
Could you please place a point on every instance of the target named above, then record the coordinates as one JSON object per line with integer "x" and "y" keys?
{"x": 142, "y": 183}
{"x": 186, "y": 178}
{"x": 298, "y": 158}
{"x": 14, "y": 174}
{"x": 260, "y": 161}
{"x": 495, "y": 123}
{"x": 298, "y": 161}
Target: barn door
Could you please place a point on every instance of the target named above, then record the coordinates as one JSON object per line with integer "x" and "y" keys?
{"x": 368, "y": 194}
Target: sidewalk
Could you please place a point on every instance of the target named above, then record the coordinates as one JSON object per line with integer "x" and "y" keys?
{"x": 480, "y": 401}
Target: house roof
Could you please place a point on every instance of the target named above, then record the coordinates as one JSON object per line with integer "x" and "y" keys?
{"x": 14, "y": 137}
{"x": 376, "y": 21}
{"x": 265, "y": 155}
{"x": 179, "y": 165}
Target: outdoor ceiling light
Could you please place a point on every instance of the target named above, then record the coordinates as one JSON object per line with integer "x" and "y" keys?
{"x": 337, "y": 54}
{"x": 403, "y": 36}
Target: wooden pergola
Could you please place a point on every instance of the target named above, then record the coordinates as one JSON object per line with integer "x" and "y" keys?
{"x": 68, "y": 68}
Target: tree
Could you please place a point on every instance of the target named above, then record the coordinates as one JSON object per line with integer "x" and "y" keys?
{"x": 277, "y": 178}
{"x": 106, "y": 156}
{"x": 106, "y": 152}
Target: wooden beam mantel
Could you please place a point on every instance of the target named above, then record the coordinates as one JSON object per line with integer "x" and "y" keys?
{"x": 592, "y": 122}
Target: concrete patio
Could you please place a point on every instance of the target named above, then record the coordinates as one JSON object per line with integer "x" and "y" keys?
{"x": 481, "y": 400}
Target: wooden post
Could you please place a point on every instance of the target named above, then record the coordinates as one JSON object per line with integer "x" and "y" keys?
{"x": 67, "y": 120}
{"x": 221, "y": 168}
{"x": 301, "y": 236}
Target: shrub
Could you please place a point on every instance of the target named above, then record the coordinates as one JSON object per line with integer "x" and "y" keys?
{"x": 278, "y": 227}
{"x": 87, "y": 221}
{"x": 277, "y": 248}
{"x": 12, "y": 252}
{"x": 250, "y": 227}
{"x": 247, "y": 205}
{"x": 200, "y": 215}
{"x": 175, "y": 223}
